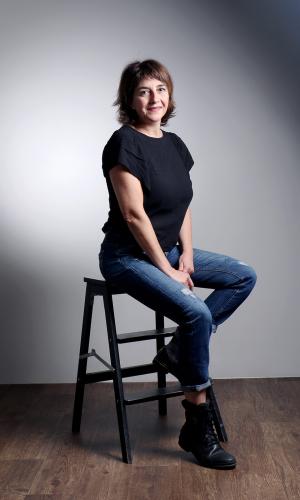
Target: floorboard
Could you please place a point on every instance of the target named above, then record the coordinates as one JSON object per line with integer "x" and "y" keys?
{"x": 40, "y": 458}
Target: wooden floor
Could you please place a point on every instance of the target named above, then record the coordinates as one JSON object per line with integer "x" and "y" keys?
{"x": 41, "y": 459}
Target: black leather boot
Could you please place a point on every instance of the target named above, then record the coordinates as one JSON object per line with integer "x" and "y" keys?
{"x": 198, "y": 436}
{"x": 167, "y": 357}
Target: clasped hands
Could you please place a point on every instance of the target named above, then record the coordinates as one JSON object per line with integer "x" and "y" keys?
{"x": 186, "y": 266}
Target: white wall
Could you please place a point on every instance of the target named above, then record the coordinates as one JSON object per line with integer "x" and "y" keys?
{"x": 236, "y": 79}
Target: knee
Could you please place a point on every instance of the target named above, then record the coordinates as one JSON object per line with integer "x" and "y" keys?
{"x": 249, "y": 275}
{"x": 199, "y": 313}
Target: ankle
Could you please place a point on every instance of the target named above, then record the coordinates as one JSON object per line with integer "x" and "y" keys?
{"x": 195, "y": 397}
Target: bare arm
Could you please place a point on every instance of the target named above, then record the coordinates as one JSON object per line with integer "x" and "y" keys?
{"x": 185, "y": 234}
{"x": 130, "y": 197}
{"x": 186, "y": 259}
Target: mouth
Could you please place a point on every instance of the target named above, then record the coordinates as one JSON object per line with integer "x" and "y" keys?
{"x": 154, "y": 108}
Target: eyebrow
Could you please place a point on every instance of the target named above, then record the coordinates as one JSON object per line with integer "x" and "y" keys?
{"x": 160, "y": 85}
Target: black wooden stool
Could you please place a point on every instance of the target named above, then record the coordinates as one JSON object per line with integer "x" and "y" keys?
{"x": 116, "y": 373}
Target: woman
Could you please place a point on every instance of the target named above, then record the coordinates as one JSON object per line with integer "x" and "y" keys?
{"x": 148, "y": 251}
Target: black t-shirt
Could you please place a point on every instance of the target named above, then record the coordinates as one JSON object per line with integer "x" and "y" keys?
{"x": 162, "y": 165}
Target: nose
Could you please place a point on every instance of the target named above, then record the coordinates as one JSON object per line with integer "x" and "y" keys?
{"x": 154, "y": 96}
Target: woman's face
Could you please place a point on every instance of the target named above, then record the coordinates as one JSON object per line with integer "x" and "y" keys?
{"x": 150, "y": 100}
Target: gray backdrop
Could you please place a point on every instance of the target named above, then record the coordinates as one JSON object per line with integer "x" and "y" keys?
{"x": 236, "y": 72}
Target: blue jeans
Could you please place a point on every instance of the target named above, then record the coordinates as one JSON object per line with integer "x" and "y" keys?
{"x": 231, "y": 279}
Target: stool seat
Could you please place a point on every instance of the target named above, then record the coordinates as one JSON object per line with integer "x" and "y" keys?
{"x": 105, "y": 285}
{"x": 115, "y": 372}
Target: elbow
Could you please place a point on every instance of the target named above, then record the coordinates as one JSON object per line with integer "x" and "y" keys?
{"x": 132, "y": 216}
{"x": 128, "y": 218}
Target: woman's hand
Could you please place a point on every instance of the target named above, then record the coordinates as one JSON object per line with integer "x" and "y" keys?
{"x": 181, "y": 276}
{"x": 186, "y": 267}
{"x": 186, "y": 262}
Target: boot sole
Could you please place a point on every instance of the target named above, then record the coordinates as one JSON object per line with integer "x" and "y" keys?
{"x": 163, "y": 366}
{"x": 160, "y": 366}
{"x": 207, "y": 465}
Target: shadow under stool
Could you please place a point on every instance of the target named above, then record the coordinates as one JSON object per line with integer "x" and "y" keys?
{"x": 115, "y": 372}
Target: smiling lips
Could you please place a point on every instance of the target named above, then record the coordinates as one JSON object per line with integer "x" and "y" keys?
{"x": 153, "y": 109}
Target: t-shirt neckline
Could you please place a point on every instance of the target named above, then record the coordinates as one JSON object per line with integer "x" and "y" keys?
{"x": 145, "y": 135}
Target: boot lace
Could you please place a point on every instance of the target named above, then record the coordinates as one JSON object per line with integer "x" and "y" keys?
{"x": 210, "y": 434}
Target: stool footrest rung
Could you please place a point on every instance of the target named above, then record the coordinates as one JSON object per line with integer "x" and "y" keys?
{"x": 153, "y": 394}
{"x": 122, "y": 338}
{"x": 128, "y": 371}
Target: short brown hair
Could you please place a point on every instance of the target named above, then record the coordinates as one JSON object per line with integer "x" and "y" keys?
{"x": 132, "y": 74}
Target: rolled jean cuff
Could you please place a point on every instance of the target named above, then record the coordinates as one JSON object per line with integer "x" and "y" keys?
{"x": 196, "y": 388}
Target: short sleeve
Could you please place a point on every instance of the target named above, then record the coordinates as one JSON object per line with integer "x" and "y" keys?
{"x": 184, "y": 152}
{"x": 122, "y": 150}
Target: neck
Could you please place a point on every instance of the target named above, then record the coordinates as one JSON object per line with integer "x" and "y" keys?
{"x": 153, "y": 130}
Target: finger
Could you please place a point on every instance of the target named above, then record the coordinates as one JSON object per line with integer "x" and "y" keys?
{"x": 191, "y": 284}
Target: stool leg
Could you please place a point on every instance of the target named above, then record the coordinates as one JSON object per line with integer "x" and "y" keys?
{"x": 161, "y": 376}
{"x": 219, "y": 425}
{"x": 82, "y": 363}
{"x": 117, "y": 379}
